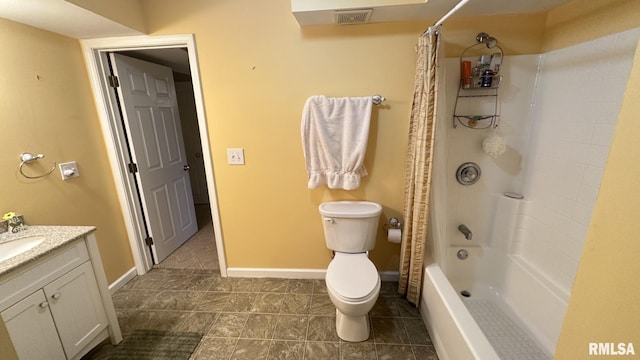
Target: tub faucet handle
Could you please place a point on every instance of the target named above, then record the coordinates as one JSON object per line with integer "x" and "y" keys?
{"x": 465, "y": 231}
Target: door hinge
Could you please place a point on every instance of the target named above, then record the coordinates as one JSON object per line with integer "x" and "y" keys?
{"x": 113, "y": 81}
{"x": 148, "y": 241}
{"x": 133, "y": 168}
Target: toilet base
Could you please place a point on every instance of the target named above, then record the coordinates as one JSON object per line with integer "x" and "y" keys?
{"x": 352, "y": 328}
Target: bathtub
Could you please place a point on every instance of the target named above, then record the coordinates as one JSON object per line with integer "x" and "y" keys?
{"x": 474, "y": 327}
{"x": 454, "y": 332}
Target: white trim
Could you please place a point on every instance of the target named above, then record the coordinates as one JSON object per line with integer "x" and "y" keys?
{"x": 277, "y": 273}
{"x": 294, "y": 273}
{"x": 93, "y": 49}
{"x": 389, "y": 275}
{"x": 115, "y": 333}
{"x": 122, "y": 280}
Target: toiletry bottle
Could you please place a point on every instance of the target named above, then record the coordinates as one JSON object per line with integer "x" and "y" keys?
{"x": 496, "y": 60}
{"x": 475, "y": 76}
{"x": 466, "y": 74}
{"x": 487, "y": 77}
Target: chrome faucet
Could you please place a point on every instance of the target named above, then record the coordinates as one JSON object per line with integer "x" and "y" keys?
{"x": 465, "y": 231}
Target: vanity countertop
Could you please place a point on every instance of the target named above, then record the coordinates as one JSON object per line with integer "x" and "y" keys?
{"x": 55, "y": 237}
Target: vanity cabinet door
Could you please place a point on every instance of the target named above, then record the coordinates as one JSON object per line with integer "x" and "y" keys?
{"x": 32, "y": 330}
{"x": 77, "y": 308}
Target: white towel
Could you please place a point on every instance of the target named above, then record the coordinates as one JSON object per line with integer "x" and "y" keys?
{"x": 334, "y": 139}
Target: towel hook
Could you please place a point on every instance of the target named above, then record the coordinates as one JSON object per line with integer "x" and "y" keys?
{"x": 26, "y": 158}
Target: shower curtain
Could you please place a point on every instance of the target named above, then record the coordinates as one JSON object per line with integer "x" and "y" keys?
{"x": 418, "y": 166}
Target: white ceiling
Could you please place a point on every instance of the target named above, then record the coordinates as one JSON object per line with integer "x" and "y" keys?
{"x": 494, "y": 7}
{"x": 63, "y": 18}
{"x": 316, "y": 12}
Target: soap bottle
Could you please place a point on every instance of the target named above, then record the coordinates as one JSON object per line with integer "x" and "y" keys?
{"x": 475, "y": 75}
{"x": 466, "y": 74}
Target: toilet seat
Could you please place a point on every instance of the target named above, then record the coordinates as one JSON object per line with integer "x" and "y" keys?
{"x": 352, "y": 277}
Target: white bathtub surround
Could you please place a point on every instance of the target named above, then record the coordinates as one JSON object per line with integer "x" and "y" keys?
{"x": 558, "y": 113}
{"x": 575, "y": 109}
{"x": 576, "y": 106}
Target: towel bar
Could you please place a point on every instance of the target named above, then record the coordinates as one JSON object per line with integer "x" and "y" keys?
{"x": 377, "y": 99}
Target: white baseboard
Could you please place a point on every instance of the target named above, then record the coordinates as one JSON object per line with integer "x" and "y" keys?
{"x": 295, "y": 273}
{"x": 389, "y": 275}
{"x": 277, "y": 273}
{"x": 122, "y": 280}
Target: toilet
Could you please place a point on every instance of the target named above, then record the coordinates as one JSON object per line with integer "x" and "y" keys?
{"x": 353, "y": 282}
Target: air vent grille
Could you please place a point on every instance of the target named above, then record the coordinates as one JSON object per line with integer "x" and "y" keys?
{"x": 346, "y": 17}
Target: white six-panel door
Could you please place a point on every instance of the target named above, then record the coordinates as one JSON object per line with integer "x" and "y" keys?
{"x": 150, "y": 110}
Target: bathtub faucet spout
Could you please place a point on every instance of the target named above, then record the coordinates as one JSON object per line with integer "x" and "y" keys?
{"x": 465, "y": 231}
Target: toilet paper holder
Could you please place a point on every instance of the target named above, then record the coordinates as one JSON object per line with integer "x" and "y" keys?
{"x": 393, "y": 223}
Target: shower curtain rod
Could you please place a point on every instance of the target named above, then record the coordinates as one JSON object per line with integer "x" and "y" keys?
{"x": 451, "y": 12}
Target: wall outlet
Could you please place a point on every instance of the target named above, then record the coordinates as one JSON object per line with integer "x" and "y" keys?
{"x": 68, "y": 170}
{"x": 235, "y": 156}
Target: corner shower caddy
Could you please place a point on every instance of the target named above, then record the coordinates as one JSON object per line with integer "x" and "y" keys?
{"x": 476, "y": 91}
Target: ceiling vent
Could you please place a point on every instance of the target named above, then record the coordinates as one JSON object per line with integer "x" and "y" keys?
{"x": 349, "y": 17}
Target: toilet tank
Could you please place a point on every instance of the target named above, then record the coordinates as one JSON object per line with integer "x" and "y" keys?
{"x": 350, "y": 226}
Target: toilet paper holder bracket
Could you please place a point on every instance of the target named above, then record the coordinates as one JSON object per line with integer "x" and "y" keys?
{"x": 393, "y": 223}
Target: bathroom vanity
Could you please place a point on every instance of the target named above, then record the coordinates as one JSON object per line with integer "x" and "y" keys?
{"x": 54, "y": 298}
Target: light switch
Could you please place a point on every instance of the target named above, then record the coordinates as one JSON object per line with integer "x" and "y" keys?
{"x": 235, "y": 156}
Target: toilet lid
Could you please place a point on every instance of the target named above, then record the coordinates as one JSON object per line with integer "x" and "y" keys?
{"x": 352, "y": 276}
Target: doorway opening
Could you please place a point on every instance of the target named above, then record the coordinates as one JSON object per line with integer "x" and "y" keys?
{"x": 179, "y": 54}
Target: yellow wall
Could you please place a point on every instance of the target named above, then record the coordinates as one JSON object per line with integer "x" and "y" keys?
{"x": 257, "y": 70}
{"x": 582, "y": 20}
{"x": 604, "y": 304}
{"x": 55, "y": 115}
{"x": 258, "y": 67}
{"x": 604, "y": 301}
{"x": 517, "y": 34}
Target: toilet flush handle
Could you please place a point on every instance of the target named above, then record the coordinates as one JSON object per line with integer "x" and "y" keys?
{"x": 329, "y": 220}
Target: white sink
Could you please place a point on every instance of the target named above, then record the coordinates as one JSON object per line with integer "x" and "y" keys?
{"x": 16, "y": 247}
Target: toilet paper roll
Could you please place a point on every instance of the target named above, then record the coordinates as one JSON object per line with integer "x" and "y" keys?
{"x": 394, "y": 236}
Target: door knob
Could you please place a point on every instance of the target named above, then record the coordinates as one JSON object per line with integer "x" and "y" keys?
{"x": 56, "y": 296}
{"x": 186, "y": 167}
{"x": 44, "y": 304}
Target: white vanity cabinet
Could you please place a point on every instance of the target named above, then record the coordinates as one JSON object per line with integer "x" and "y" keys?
{"x": 59, "y": 306}
{"x": 32, "y": 330}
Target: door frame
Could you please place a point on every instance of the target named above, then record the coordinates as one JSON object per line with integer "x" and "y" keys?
{"x": 95, "y": 54}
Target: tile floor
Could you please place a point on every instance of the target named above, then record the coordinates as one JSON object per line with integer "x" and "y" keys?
{"x": 199, "y": 252}
{"x": 258, "y": 318}
{"x": 262, "y": 318}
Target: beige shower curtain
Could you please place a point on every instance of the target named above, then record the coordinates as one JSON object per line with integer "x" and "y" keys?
{"x": 418, "y": 166}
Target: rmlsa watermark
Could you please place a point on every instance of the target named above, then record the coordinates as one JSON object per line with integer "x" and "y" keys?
{"x": 602, "y": 348}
